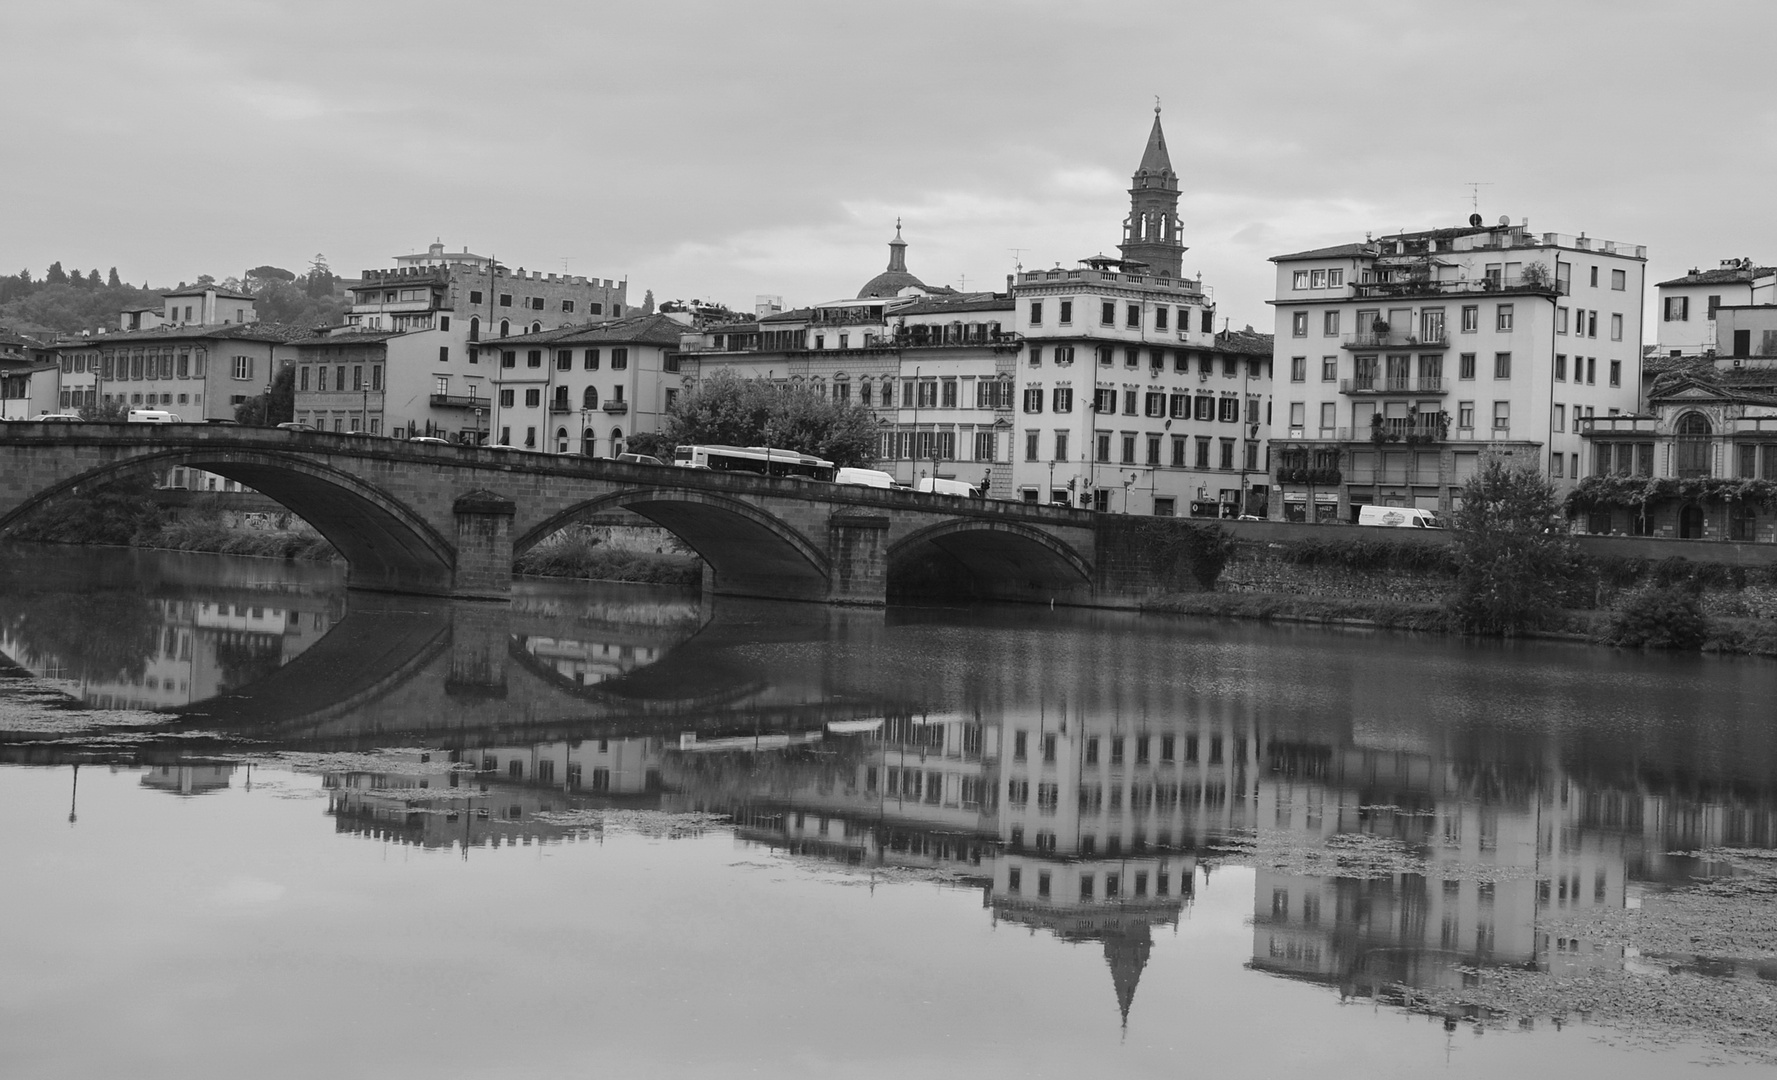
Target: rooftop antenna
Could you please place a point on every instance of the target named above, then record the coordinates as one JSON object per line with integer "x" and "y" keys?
{"x": 964, "y": 280}
{"x": 1474, "y": 196}
{"x": 1017, "y": 259}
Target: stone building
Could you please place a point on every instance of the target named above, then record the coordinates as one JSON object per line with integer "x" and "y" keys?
{"x": 1411, "y": 358}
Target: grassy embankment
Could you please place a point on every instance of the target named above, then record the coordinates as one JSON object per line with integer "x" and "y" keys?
{"x": 1667, "y": 604}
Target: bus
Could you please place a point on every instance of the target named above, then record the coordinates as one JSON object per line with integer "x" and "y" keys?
{"x": 761, "y": 460}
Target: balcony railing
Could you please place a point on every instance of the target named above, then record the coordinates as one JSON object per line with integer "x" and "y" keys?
{"x": 460, "y": 401}
{"x": 1630, "y": 425}
{"x": 1371, "y": 290}
{"x": 615, "y": 406}
{"x": 1394, "y": 384}
{"x": 1397, "y": 339}
{"x": 560, "y": 408}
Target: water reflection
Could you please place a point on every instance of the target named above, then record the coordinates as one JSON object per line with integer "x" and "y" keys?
{"x": 1415, "y": 812}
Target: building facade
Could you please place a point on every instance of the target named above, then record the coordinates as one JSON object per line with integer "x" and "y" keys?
{"x": 201, "y": 372}
{"x": 1687, "y": 304}
{"x": 1404, "y": 362}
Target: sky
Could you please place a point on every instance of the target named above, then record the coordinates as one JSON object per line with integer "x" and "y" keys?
{"x": 722, "y": 150}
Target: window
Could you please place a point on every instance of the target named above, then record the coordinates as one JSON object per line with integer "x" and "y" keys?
{"x": 1129, "y": 402}
{"x": 1299, "y": 324}
{"x": 1560, "y": 320}
{"x": 1033, "y": 399}
{"x": 1299, "y": 280}
{"x": 984, "y": 446}
{"x": 1298, "y": 414}
{"x": 1156, "y": 404}
{"x": 1471, "y": 318}
{"x": 1064, "y": 355}
{"x": 506, "y": 397}
{"x": 1619, "y": 280}
{"x": 1202, "y": 451}
{"x": 243, "y": 367}
{"x": 1178, "y": 451}
{"x": 1160, "y": 314}
{"x": 376, "y": 376}
{"x": 1132, "y": 316}
{"x": 1616, "y": 373}
{"x": 533, "y": 398}
{"x": 1616, "y": 327}
{"x": 591, "y": 361}
{"x": 1107, "y": 313}
{"x": 1030, "y": 444}
{"x": 475, "y": 296}
{"x": 1131, "y": 357}
{"x": 1502, "y": 320}
{"x": 1591, "y": 371}
{"x": 1329, "y": 324}
{"x": 1329, "y": 369}
{"x": 1298, "y": 369}
{"x": 619, "y": 359}
{"x": 564, "y": 359}
{"x": 1677, "y": 309}
{"x": 1502, "y": 416}
{"x": 1064, "y": 399}
{"x": 1061, "y": 446}
{"x": 1036, "y": 356}
{"x": 1594, "y": 277}
{"x": 1560, "y": 368}
{"x": 1591, "y": 324}
{"x": 1067, "y": 311}
{"x": 1230, "y": 410}
{"x": 1561, "y": 425}
{"x": 1036, "y": 313}
{"x": 1502, "y": 365}
{"x": 505, "y": 299}
{"x": 505, "y": 328}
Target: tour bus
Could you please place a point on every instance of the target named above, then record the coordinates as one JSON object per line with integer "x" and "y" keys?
{"x": 762, "y": 460}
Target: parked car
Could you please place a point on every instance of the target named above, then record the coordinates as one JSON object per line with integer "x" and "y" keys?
{"x": 433, "y": 439}
{"x": 57, "y": 418}
{"x": 295, "y": 425}
{"x": 640, "y": 459}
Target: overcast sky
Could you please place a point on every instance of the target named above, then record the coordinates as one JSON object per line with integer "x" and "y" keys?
{"x": 725, "y": 149}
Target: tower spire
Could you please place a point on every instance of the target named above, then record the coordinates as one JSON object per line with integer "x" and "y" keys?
{"x": 898, "y": 250}
{"x": 1151, "y": 232}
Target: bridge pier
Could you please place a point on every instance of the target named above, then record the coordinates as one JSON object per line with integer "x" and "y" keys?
{"x": 857, "y": 552}
{"x": 484, "y": 546}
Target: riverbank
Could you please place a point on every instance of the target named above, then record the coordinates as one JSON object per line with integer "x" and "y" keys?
{"x": 1672, "y": 603}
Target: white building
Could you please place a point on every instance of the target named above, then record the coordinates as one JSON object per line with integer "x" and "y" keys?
{"x": 1688, "y": 304}
{"x": 1409, "y": 358}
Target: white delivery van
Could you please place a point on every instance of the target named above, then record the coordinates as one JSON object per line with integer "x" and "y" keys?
{"x": 1397, "y": 517}
{"x": 864, "y": 478}
{"x": 153, "y": 416}
{"x": 939, "y": 486}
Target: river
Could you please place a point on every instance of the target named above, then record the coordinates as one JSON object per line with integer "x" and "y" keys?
{"x": 258, "y": 826}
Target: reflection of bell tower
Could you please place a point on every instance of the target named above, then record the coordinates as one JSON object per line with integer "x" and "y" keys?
{"x": 1151, "y": 231}
{"x": 1126, "y": 950}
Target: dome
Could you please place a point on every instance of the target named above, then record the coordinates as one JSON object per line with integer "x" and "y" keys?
{"x": 891, "y": 281}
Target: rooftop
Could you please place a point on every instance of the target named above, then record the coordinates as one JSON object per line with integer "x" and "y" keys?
{"x": 199, "y": 290}
{"x": 636, "y": 330}
{"x": 1731, "y": 271}
{"x": 273, "y": 332}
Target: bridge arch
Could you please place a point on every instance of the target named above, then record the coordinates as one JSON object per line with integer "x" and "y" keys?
{"x": 386, "y": 544}
{"x": 751, "y": 551}
{"x": 987, "y": 557}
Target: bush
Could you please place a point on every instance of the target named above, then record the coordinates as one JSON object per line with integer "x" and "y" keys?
{"x": 1184, "y": 553}
{"x": 1659, "y": 617}
{"x": 1370, "y": 555}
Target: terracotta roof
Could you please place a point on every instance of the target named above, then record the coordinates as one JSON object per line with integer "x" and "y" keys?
{"x": 1722, "y": 276}
{"x": 637, "y": 330}
{"x": 1246, "y": 342}
{"x": 199, "y": 290}
{"x": 368, "y": 337}
{"x": 1337, "y": 251}
{"x": 275, "y": 332}
{"x": 937, "y": 305}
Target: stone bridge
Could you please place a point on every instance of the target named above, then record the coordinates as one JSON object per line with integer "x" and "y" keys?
{"x": 449, "y": 520}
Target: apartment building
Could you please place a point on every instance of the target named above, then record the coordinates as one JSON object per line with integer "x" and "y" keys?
{"x": 200, "y": 371}
{"x": 582, "y": 390}
{"x": 1688, "y": 304}
{"x": 423, "y": 328}
{"x": 1404, "y": 361}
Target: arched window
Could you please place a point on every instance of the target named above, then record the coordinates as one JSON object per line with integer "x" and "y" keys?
{"x": 536, "y": 328}
{"x": 561, "y": 440}
{"x": 616, "y": 441}
{"x": 1694, "y": 447}
{"x": 474, "y": 328}
{"x": 505, "y": 328}
{"x": 589, "y": 442}
{"x": 590, "y": 399}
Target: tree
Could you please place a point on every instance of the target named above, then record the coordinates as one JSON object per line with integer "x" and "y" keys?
{"x": 729, "y": 410}
{"x": 1513, "y": 551}
{"x": 77, "y": 279}
{"x": 92, "y": 278}
{"x": 270, "y": 410}
{"x": 320, "y": 279}
{"x": 264, "y": 274}
{"x": 648, "y": 302}
{"x": 105, "y": 412}
{"x": 55, "y": 275}
{"x": 113, "y": 281}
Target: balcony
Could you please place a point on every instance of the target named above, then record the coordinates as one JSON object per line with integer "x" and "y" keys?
{"x": 1640, "y": 425}
{"x": 1393, "y": 339}
{"x": 459, "y": 401}
{"x": 1377, "y": 290}
{"x": 1393, "y": 384}
{"x": 560, "y": 408}
{"x": 615, "y": 407}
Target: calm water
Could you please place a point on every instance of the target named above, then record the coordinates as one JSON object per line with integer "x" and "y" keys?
{"x": 258, "y": 827}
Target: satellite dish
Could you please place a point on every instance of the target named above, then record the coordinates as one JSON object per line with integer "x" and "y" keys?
{"x": 1505, "y": 221}
{"x": 1475, "y": 220}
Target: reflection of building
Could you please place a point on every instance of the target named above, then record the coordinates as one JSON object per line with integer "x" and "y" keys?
{"x": 188, "y": 779}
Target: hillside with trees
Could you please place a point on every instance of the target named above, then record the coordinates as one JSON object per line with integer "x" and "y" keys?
{"x": 69, "y": 301}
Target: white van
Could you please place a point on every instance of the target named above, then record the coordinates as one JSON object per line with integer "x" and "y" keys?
{"x": 938, "y": 486}
{"x": 1397, "y": 517}
{"x": 153, "y": 416}
{"x": 864, "y": 478}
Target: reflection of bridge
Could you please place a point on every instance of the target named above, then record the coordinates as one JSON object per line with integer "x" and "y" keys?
{"x": 447, "y": 520}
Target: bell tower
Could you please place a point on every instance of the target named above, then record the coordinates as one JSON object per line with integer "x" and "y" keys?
{"x": 1151, "y": 231}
